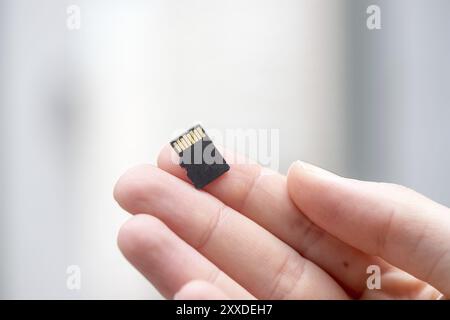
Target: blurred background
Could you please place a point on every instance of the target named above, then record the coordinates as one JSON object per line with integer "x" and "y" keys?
{"x": 78, "y": 106}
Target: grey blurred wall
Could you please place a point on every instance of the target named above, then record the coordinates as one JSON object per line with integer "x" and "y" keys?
{"x": 398, "y": 92}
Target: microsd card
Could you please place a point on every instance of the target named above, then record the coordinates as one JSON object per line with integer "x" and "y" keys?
{"x": 198, "y": 155}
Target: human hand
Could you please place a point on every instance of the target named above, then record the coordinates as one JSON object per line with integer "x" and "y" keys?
{"x": 254, "y": 233}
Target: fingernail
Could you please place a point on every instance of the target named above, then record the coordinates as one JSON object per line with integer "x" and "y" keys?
{"x": 314, "y": 169}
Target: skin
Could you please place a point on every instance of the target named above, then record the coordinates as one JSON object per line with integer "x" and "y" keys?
{"x": 257, "y": 234}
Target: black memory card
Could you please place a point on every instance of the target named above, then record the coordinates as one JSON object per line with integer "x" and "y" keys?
{"x": 198, "y": 155}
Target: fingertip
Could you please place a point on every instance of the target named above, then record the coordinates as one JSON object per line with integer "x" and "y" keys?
{"x": 200, "y": 290}
{"x": 307, "y": 178}
{"x": 164, "y": 156}
{"x": 126, "y": 184}
{"x": 168, "y": 160}
{"x": 316, "y": 192}
{"x": 134, "y": 187}
{"x": 295, "y": 169}
{"x": 140, "y": 233}
{"x": 297, "y": 177}
{"x": 298, "y": 167}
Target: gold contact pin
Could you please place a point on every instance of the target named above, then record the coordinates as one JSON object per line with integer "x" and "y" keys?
{"x": 187, "y": 140}
{"x": 200, "y": 130}
{"x": 185, "y": 145}
{"x": 180, "y": 144}
{"x": 199, "y": 136}
{"x": 177, "y": 147}
{"x": 190, "y": 138}
{"x": 193, "y": 136}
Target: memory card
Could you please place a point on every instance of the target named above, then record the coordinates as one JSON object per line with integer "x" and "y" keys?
{"x": 199, "y": 156}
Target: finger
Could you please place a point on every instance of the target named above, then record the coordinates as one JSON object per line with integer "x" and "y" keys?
{"x": 403, "y": 227}
{"x": 200, "y": 290}
{"x": 167, "y": 261}
{"x": 256, "y": 259}
{"x": 261, "y": 195}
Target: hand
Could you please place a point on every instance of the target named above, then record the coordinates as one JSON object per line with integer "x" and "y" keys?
{"x": 254, "y": 233}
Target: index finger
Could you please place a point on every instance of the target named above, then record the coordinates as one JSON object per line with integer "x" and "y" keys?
{"x": 261, "y": 195}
